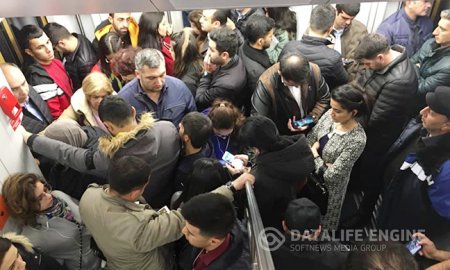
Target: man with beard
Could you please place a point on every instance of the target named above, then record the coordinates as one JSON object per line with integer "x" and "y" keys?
{"x": 153, "y": 91}
{"x": 253, "y": 53}
{"x": 409, "y": 27}
{"x": 229, "y": 79}
{"x": 121, "y": 23}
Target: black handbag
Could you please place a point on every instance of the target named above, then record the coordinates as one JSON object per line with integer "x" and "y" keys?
{"x": 316, "y": 191}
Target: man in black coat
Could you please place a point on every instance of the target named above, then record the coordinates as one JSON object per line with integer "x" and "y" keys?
{"x": 302, "y": 243}
{"x": 79, "y": 54}
{"x": 36, "y": 114}
{"x": 219, "y": 241}
{"x": 391, "y": 80}
{"x": 314, "y": 46}
{"x": 228, "y": 79}
{"x": 253, "y": 52}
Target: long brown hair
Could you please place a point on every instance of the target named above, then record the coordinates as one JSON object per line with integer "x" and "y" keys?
{"x": 18, "y": 191}
{"x": 186, "y": 53}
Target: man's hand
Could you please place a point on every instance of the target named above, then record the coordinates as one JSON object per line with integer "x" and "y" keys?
{"x": 293, "y": 129}
{"x": 239, "y": 183}
{"x": 209, "y": 67}
{"x": 25, "y": 134}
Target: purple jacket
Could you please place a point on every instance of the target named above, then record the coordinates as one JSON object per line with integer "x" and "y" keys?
{"x": 400, "y": 29}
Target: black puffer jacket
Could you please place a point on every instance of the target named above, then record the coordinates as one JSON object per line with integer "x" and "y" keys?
{"x": 79, "y": 63}
{"x": 278, "y": 174}
{"x": 317, "y": 51}
{"x": 395, "y": 91}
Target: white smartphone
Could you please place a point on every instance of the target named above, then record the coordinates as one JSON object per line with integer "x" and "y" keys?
{"x": 233, "y": 161}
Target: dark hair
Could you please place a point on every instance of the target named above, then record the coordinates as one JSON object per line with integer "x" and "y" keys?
{"x": 27, "y": 33}
{"x": 225, "y": 115}
{"x": 128, "y": 173}
{"x": 295, "y": 67}
{"x": 148, "y": 30}
{"x": 212, "y": 213}
{"x": 285, "y": 19}
{"x": 109, "y": 43}
{"x": 5, "y": 245}
{"x": 258, "y": 26}
{"x": 207, "y": 174}
{"x": 18, "y": 192}
{"x": 194, "y": 17}
{"x": 351, "y": 97}
{"x": 116, "y": 110}
{"x": 371, "y": 45}
{"x": 385, "y": 255}
{"x": 262, "y": 133}
{"x": 226, "y": 40}
{"x": 56, "y": 32}
{"x": 198, "y": 127}
{"x": 322, "y": 18}
{"x": 220, "y": 15}
{"x": 350, "y": 9}
{"x": 186, "y": 53}
{"x": 123, "y": 61}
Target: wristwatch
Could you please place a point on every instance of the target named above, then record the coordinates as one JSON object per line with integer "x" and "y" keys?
{"x": 230, "y": 186}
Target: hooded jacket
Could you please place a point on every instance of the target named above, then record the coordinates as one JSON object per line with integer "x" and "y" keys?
{"x": 155, "y": 142}
{"x": 105, "y": 26}
{"x": 60, "y": 238}
{"x": 279, "y": 173}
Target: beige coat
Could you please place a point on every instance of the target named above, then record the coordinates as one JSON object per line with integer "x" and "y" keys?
{"x": 132, "y": 236}
{"x": 79, "y": 110}
{"x": 350, "y": 40}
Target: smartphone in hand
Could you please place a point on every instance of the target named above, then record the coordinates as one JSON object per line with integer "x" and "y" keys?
{"x": 308, "y": 120}
{"x": 414, "y": 246}
{"x": 233, "y": 161}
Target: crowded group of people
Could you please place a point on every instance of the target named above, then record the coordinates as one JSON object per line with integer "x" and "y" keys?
{"x": 131, "y": 130}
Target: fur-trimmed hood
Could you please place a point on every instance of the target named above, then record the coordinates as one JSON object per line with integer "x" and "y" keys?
{"x": 110, "y": 145}
{"x": 19, "y": 239}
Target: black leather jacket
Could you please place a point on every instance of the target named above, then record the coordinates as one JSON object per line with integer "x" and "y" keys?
{"x": 79, "y": 63}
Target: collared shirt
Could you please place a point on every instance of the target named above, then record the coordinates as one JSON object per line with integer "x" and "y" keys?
{"x": 33, "y": 109}
{"x": 174, "y": 102}
{"x": 206, "y": 258}
{"x": 337, "y": 40}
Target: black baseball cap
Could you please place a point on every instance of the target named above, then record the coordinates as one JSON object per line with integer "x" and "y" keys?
{"x": 302, "y": 214}
{"x": 439, "y": 100}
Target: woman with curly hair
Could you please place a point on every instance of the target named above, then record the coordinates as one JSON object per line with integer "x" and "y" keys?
{"x": 50, "y": 220}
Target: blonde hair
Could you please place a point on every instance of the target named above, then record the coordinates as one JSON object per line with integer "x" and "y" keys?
{"x": 96, "y": 82}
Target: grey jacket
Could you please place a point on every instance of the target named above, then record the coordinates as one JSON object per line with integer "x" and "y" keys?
{"x": 155, "y": 142}
{"x": 60, "y": 238}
